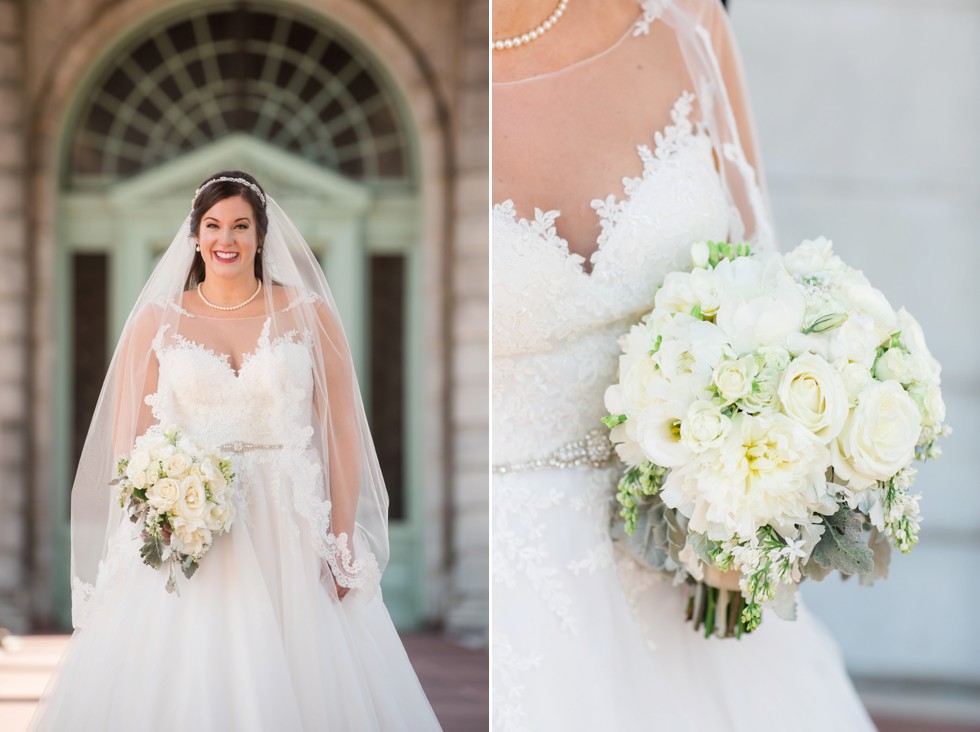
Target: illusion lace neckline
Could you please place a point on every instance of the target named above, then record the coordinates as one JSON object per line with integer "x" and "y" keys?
{"x": 650, "y": 12}
{"x": 610, "y": 208}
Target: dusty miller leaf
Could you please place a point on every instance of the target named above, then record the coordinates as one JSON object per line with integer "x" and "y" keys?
{"x": 152, "y": 550}
{"x": 881, "y": 550}
{"x": 842, "y": 546}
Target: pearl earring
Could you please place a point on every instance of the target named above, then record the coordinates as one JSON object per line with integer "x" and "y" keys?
{"x": 197, "y": 249}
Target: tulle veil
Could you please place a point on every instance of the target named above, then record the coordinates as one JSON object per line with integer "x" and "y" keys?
{"x": 345, "y": 506}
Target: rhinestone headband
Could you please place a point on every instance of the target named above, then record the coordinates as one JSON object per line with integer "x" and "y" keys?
{"x": 258, "y": 191}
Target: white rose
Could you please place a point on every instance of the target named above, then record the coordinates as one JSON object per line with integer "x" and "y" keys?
{"x": 164, "y": 494}
{"x": 812, "y": 393}
{"x": 658, "y": 432}
{"x": 188, "y": 538}
{"x": 856, "y": 377}
{"x": 897, "y": 365}
{"x": 192, "y": 504}
{"x": 176, "y": 465}
{"x": 733, "y": 379}
{"x": 138, "y": 480}
{"x": 879, "y": 436}
{"x": 704, "y": 427}
{"x": 152, "y": 475}
{"x": 220, "y": 516}
{"x": 812, "y": 257}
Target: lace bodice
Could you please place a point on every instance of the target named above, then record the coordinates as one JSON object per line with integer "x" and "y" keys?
{"x": 268, "y": 400}
{"x": 555, "y": 326}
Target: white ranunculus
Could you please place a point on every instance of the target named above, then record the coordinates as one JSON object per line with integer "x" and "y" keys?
{"x": 764, "y": 395}
{"x": 163, "y": 494}
{"x": 189, "y": 538}
{"x": 769, "y": 470}
{"x": 704, "y": 427}
{"x": 812, "y": 257}
{"x": 856, "y": 377}
{"x": 812, "y": 393}
{"x": 773, "y": 357}
{"x": 897, "y": 365}
{"x": 176, "y": 465}
{"x": 733, "y": 378}
{"x": 879, "y": 436}
{"x": 658, "y": 432}
{"x": 192, "y": 504}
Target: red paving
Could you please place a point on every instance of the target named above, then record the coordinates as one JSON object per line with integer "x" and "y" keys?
{"x": 456, "y": 679}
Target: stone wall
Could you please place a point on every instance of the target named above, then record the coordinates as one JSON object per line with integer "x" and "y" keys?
{"x": 14, "y": 509}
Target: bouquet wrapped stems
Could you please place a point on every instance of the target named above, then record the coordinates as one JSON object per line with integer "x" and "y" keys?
{"x": 716, "y": 604}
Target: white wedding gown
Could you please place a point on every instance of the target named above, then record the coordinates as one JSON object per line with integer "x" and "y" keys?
{"x": 583, "y": 639}
{"x": 256, "y": 640}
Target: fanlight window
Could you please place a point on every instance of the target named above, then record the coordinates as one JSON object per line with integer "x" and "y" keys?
{"x": 304, "y": 89}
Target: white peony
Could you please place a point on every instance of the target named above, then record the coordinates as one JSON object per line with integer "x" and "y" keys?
{"x": 704, "y": 427}
{"x": 707, "y": 292}
{"x": 163, "y": 494}
{"x": 769, "y": 470}
{"x": 879, "y": 436}
{"x": 733, "y": 378}
{"x": 220, "y": 516}
{"x": 813, "y": 394}
{"x": 860, "y": 297}
{"x": 676, "y": 295}
{"x": 856, "y": 340}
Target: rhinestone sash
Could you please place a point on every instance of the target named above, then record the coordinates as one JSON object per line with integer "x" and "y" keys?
{"x": 238, "y": 447}
{"x": 594, "y": 449}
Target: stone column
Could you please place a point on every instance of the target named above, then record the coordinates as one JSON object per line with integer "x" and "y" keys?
{"x": 468, "y": 597}
{"x": 15, "y": 511}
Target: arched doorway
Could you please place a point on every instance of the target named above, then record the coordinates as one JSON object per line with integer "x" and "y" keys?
{"x": 306, "y": 108}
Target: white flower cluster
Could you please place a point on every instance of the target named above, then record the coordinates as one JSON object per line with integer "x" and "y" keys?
{"x": 181, "y": 492}
{"x": 777, "y": 388}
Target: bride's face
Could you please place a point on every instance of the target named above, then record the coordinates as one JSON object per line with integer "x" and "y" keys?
{"x": 228, "y": 239}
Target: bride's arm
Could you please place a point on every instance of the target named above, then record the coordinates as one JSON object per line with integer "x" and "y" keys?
{"x": 137, "y": 375}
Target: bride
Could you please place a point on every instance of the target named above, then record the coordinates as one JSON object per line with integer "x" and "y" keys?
{"x": 236, "y": 342}
{"x": 621, "y": 135}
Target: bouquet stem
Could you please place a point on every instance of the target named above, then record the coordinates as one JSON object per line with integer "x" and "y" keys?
{"x": 718, "y": 611}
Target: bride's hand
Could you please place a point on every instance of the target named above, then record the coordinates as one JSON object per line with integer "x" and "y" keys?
{"x": 714, "y": 577}
{"x": 325, "y": 573}
{"x": 341, "y": 591}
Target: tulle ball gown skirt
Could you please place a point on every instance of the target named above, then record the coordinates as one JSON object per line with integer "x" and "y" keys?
{"x": 582, "y": 642}
{"x": 255, "y": 641}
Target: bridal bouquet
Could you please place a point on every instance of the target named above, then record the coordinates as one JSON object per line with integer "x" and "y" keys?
{"x": 768, "y": 412}
{"x": 182, "y": 495}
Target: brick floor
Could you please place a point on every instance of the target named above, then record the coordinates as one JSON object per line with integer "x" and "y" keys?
{"x": 456, "y": 679}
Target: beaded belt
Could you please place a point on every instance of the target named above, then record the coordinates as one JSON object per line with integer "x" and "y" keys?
{"x": 238, "y": 447}
{"x": 594, "y": 449}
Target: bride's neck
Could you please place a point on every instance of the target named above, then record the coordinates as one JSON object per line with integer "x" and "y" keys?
{"x": 514, "y": 17}
{"x": 227, "y": 292}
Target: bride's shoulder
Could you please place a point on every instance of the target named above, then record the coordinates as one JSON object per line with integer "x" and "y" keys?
{"x": 287, "y": 297}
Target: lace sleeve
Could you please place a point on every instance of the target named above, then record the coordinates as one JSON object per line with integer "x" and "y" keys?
{"x": 345, "y": 447}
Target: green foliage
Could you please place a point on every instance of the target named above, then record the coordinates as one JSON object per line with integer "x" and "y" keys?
{"x": 842, "y": 546}
{"x": 152, "y": 550}
{"x": 613, "y": 420}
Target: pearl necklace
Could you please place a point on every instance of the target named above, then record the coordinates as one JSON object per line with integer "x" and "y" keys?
{"x": 531, "y": 35}
{"x": 229, "y": 307}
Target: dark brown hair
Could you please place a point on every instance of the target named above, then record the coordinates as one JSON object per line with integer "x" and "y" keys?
{"x": 218, "y": 192}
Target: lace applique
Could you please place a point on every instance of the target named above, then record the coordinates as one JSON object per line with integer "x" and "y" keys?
{"x": 652, "y": 10}
{"x": 508, "y": 690}
{"x": 306, "y": 297}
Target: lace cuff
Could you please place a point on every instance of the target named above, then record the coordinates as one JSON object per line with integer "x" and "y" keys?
{"x": 359, "y": 573}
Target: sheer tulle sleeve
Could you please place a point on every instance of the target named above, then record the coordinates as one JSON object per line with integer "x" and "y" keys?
{"x": 348, "y": 455}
